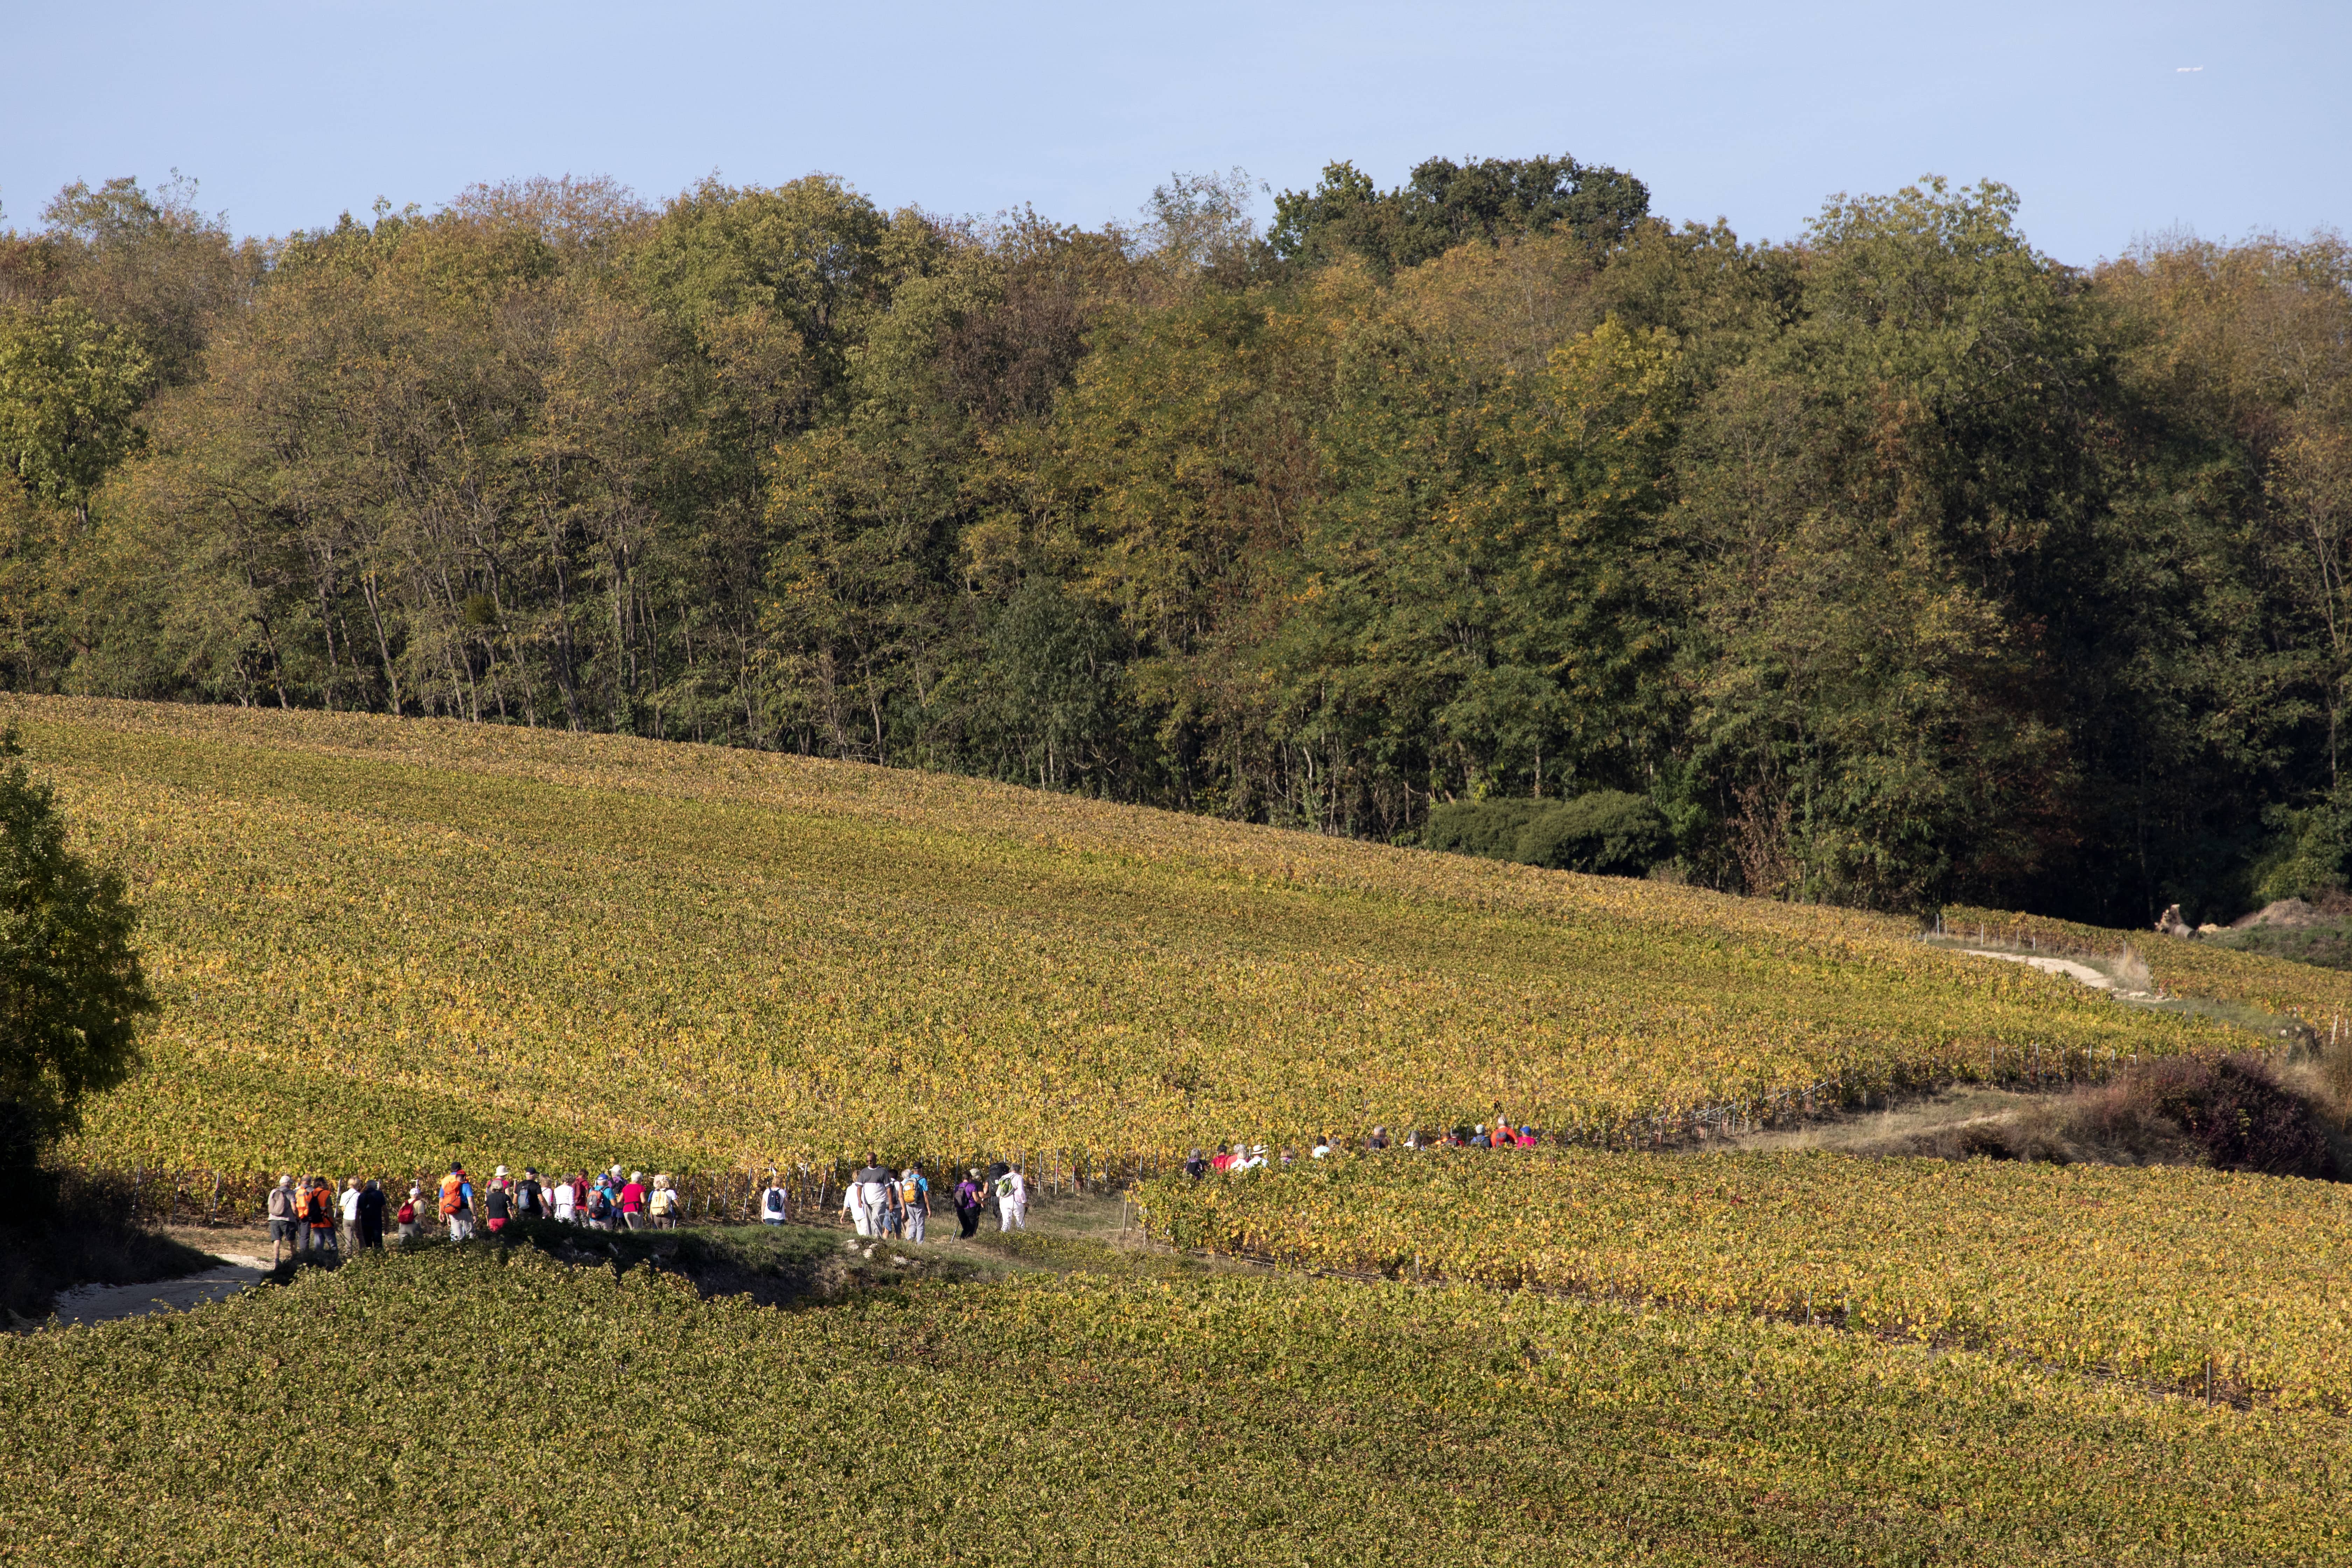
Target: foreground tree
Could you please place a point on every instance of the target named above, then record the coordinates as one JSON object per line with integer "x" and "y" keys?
{"x": 72, "y": 991}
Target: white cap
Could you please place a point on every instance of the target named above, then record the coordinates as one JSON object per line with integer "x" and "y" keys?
{"x": 500, "y": 1172}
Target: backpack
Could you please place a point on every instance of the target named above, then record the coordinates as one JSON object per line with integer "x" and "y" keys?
{"x": 910, "y": 1189}
{"x": 601, "y": 1208}
{"x": 452, "y": 1185}
{"x": 281, "y": 1204}
{"x": 408, "y": 1214}
{"x": 773, "y": 1202}
{"x": 662, "y": 1201}
{"x": 1004, "y": 1186}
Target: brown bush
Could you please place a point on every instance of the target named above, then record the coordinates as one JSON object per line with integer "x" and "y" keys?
{"x": 2234, "y": 1111}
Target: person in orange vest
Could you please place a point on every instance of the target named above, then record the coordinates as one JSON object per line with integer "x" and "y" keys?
{"x": 318, "y": 1213}
{"x": 457, "y": 1204}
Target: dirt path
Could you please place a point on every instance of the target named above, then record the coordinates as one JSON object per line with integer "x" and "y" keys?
{"x": 2098, "y": 980}
{"x": 104, "y": 1304}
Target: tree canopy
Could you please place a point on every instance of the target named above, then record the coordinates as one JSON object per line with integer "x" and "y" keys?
{"x": 1894, "y": 564}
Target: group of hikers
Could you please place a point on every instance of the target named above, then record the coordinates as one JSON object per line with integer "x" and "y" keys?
{"x": 1234, "y": 1158}
{"x": 883, "y": 1203}
{"x": 312, "y": 1218}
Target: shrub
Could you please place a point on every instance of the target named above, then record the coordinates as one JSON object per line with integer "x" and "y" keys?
{"x": 1608, "y": 832}
{"x": 1486, "y": 828}
{"x": 2234, "y": 1111}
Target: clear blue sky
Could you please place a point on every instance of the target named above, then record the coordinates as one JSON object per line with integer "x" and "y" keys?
{"x": 290, "y": 113}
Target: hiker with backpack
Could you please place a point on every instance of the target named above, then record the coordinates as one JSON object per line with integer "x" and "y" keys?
{"x": 872, "y": 1184}
{"x": 409, "y": 1211}
{"x": 969, "y": 1199}
{"x": 914, "y": 1200}
{"x": 772, "y": 1202}
{"x": 1011, "y": 1202}
{"x": 319, "y": 1214}
{"x": 282, "y": 1228}
{"x": 457, "y": 1204}
{"x": 602, "y": 1205}
{"x": 663, "y": 1205}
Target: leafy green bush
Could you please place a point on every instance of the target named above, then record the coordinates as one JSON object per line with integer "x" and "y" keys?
{"x": 1608, "y": 832}
{"x": 1486, "y": 828}
{"x": 2308, "y": 851}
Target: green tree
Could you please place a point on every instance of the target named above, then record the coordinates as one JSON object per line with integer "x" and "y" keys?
{"x": 1445, "y": 204}
{"x": 71, "y": 988}
{"x": 68, "y": 388}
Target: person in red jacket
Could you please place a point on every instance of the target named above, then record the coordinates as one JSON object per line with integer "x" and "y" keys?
{"x": 633, "y": 1201}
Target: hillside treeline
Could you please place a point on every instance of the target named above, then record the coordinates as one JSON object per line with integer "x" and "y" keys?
{"x": 1893, "y": 564}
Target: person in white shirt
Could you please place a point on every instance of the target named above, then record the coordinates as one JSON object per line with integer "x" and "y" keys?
{"x": 1011, "y": 1202}
{"x": 350, "y": 1208}
{"x": 566, "y": 1199}
{"x": 771, "y": 1204}
{"x": 1322, "y": 1149}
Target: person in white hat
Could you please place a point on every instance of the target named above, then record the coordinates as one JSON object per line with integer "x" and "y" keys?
{"x": 1012, "y": 1201}
{"x": 283, "y": 1233}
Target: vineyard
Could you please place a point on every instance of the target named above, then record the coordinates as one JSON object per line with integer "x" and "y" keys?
{"x": 465, "y": 1407}
{"x": 383, "y": 942}
{"x": 2200, "y": 1281}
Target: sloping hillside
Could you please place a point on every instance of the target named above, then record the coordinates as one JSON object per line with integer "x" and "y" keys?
{"x": 382, "y": 941}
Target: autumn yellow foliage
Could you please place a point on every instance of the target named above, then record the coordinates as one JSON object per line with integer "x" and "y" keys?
{"x": 383, "y": 942}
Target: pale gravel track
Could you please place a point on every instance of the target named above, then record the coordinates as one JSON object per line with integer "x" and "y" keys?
{"x": 105, "y": 1303}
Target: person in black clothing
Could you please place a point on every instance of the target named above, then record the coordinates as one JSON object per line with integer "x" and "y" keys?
{"x": 1197, "y": 1166}
{"x": 497, "y": 1207}
{"x": 370, "y": 1208}
{"x": 529, "y": 1201}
